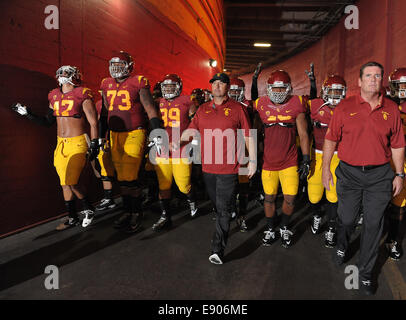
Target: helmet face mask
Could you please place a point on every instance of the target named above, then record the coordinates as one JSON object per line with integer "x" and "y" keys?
{"x": 207, "y": 95}
{"x": 278, "y": 96}
{"x": 68, "y": 74}
{"x": 397, "y": 83}
{"x": 171, "y": 86}
{"x": 237, "y": 89}
{"x": 333, "y": 90}
{"x": 121, "y": 66}
{"x": 279, "y": 87}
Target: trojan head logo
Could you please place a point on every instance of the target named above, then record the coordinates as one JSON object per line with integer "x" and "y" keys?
{"x": 267, "y": 113}
{"x": 55, "y": 97}
{"x": 385, "y": 115}
{"x": 321, "y": 113}
{"x": 227, "y": 111}
{"x": 110, "y": 85}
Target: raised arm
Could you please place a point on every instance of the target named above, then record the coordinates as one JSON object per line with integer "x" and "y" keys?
{"x": 48, "y": 120}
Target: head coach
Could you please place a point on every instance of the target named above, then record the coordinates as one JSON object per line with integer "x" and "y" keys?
{"x": 218, "y": 122}
{"x": 368, "y": 130}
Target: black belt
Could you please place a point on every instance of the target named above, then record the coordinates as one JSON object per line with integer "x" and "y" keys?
{"x": 365, "y": 168}
{"x": 320, "y": 125}
{"x": 282, "y": 124}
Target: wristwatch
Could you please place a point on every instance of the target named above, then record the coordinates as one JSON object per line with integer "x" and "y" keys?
{"x": 402, "y": 175}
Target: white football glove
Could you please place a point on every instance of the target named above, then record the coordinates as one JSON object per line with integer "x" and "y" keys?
{"x": 157, "y": 142}
{"x": 20, "y": 109}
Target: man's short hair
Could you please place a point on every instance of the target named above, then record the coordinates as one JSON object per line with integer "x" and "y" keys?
{"x": 370, "y": 64}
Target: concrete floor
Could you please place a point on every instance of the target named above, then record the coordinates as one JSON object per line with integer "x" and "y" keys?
{"x": 100, "y": 262}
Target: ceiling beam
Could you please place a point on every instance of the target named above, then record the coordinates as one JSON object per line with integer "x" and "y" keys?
{"x": 299, "y": 4}
{"x": 255, "y": 28}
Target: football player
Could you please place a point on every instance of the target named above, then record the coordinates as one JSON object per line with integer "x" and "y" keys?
{"x": 70, "y": 106}
{"x": 333, "y": 90}
{"x": 125, "y": 98}
{"x": 282, "y": 113}
{"x": 207, "y": 95}
{"x": 237, "y": 92}
{"x": 198, "y": 96}
{"x": 176, "y": 112}
{"x": 104, "y": 166}
{"x": 397, "y": 86}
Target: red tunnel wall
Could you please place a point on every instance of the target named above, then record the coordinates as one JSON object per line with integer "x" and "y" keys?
{"x": 381, "y": 37}
{"x": 89, "y": 31}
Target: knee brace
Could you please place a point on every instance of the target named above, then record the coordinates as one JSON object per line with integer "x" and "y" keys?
{"x": 270, "y": 199}
{"x": 290, "y": 203}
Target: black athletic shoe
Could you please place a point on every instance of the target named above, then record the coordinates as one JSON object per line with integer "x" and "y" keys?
{"x": 135, "y": 222}
{"x": 164, "y": 221}
{"x": 367, "y": 287}
{"x": 331, "y": 238}
{"x": 242, "y": 224}
{"x": 106, "y": 204}
{"x": 316, "y": 223}
{"x": 123, "y": 221}
{"x": 193, "y": 209}
{"x": 71, "y": 222}
{"x": 395, "y": 250}
{"x": 339, "y": 257}
{"x": 216, "y": 258}
{"x": 270, "y": 236}
{"x": 286, "y": 237}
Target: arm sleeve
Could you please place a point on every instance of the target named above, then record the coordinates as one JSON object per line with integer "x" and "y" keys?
{"x": 313, "y": 89}
{"x": 103, "y": 126}
{"x": 47, "y": 121}
{"x": 254, "y": 88}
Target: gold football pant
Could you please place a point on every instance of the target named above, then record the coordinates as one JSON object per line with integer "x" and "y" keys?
{"x": 70, "y": 159}
{"x": 179, "y": 169}
{"x": 106, "y": 164}
{"x": 315, "y": 188}
{"x": 288, "y": 177}
{"x": 127, "y": 152}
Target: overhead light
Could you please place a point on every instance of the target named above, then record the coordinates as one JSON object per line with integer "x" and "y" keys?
{"x": 213, "y": 63}
{"x": 224, "y": 70}
{"x": 262, "y": 44}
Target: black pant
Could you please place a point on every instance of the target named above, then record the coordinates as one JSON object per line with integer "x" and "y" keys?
{"x": 221, "y": 190}
{"x": 374, "y": 189}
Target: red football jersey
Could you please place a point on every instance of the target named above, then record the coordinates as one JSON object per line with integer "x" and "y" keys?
{"x": 280, "y": 151}
{"x": 125, "y": 112}
{"x": 219, "y": 121}
{"x": 402, "y": 109}
{"x": 321, "y": 114}
{"x": 69, "y": 104}
{"x": 175, "y": 116}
